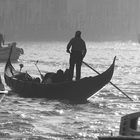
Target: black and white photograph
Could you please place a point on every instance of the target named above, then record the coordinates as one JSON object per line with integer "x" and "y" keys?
{"x": 69, "y": 69}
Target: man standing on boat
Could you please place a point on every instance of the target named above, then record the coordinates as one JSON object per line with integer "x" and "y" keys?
{"x": 77, "y": 53}
{"x": 1, "y": 40}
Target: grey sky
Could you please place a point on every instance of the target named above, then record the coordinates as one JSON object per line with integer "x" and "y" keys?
{"x": 58, "y": 19}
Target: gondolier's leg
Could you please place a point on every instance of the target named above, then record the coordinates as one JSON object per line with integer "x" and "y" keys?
{"x": 78, "y": 67}
{"x": 78, "y": 71}
{"x": 71, "y": 68}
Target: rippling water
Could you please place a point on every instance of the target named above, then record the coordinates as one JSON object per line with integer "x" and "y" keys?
{"x": 45, "y": 119}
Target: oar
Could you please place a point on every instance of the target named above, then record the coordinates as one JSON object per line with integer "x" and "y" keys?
{"x": 109, "y": 82}
{"x": 39, "y": 70}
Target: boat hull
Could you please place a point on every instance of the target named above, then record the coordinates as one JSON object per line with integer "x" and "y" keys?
{"x": 3, "y": 92}
{"x": 129, "y": 128}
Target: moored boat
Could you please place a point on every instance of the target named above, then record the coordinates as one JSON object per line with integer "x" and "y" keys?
{"x": 2, "y": 90}
{"x": 129, "y": 128}
{"x": 74, "y": 91}
{"x": 4, "y": 52}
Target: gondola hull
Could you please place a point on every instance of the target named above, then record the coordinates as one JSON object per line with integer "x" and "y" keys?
{"x": 75, "y": 91}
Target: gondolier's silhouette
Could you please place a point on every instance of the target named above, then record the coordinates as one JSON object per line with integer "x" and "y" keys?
{"x": 77, "y": 53}
{"x": 1, "y": 40}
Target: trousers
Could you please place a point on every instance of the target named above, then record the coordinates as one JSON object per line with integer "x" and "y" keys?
{"x": 75, "y": 59}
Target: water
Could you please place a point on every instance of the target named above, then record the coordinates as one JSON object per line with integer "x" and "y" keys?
{"x": 37, "y": 119}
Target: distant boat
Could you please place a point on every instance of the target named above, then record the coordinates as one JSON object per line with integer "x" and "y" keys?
{"x": 3, "y": 92}
{"x": 129, "y": 128}
{"x": 4, "y": 52}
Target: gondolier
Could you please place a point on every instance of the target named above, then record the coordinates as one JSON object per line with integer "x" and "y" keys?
{"x": 77, "y": 53}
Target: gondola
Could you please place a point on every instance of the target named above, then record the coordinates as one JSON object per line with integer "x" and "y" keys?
{"x": 73, "y": 91}
{"x": 4, "y": 52}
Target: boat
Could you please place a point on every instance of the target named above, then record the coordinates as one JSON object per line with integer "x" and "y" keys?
{"x": 3, "y": 92}
{"x": 4, "y": 52}
{"x": 73, "y": 91}
{"x": 129, "y": 128}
